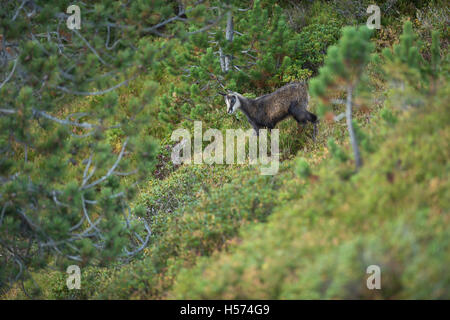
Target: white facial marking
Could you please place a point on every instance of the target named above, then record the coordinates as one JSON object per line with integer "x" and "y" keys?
{"x": 228, "y": 104}
{"x": 233, "y": 103}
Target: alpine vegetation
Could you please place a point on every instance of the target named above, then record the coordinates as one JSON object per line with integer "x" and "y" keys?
{"x": 214, "y": 152}
{"x": 266, "y": 111}
{"x": 343, "y": 70}
{"x": 124, "y": 174}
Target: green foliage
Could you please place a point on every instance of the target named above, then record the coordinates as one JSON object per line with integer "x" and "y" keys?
{"x": 342, "y": 70}
{"x": 406, "y": 52}
{"x": 336, "y": 151}
{"x": 191, "y": 229}
{"x": 266, "y": 53}
{"x": 70, "y": 166}
{"x": 93, "y": 280}
{"x": 224, "y": 231}
{"x": 302, "y": 169}
{"x": 312, "y": 42}
{"x": 319, "y": 246}
{"x": 355, "y": 11}
{"x": 435, "y": 55}
{"x": 388, "y": 116}
{"x": 406, "y": 65}
{"x": 344, "y": 62}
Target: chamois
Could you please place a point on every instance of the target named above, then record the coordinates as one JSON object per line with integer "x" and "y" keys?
{"x": 266, "y": 111}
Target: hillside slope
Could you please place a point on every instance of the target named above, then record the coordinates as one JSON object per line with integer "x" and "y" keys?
{"x": 394, "y": 213}
{"x": 311, "y": 230}
{"x": 226, "y": 232}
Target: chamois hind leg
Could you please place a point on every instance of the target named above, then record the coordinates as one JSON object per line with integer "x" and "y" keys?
{"x": 297, "y": 113}
{"x": 302, "y": 116}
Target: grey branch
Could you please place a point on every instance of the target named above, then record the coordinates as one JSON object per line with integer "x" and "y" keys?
{"x": 89, "y": 46}
{"x": 110, "y": 171}
{"x": 65, "y": 122}
{"x": 338, "y": 101}
{"x": 339, "y": 117}
{"x": 144, "y": 244}
{"x": 10, "y": 75}
{"x": 107, "y": 40}
{"x": 95, "y": 93}
{"x": 18, "y": 9}
{"x": 86, "y": 215}
{"x": 8, "y": 111}
{"x": 3, "y": 213}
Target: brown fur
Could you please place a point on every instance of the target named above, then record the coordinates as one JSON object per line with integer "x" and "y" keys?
{"x": 266, "y": 111}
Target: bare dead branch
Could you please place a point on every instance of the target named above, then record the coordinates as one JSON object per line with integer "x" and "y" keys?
{"x": 96, "y": 93}
{"x": 10, "y": 75}
{"x": 110, "y": 171}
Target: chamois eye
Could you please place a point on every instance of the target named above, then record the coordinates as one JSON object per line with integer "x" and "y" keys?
{"x": 233, "y": 100}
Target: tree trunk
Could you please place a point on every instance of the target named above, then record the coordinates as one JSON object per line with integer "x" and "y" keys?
{"x": 222, "y": 59}
{"x": 351, "y": 131}
{"x": 229, "y": 36}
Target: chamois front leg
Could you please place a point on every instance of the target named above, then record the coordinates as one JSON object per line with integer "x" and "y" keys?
{"x": 256, "y": 131}
{"x": 255, "y": 128}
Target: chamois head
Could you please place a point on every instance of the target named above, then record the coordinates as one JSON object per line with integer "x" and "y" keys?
{"x": 232, "y": 101}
